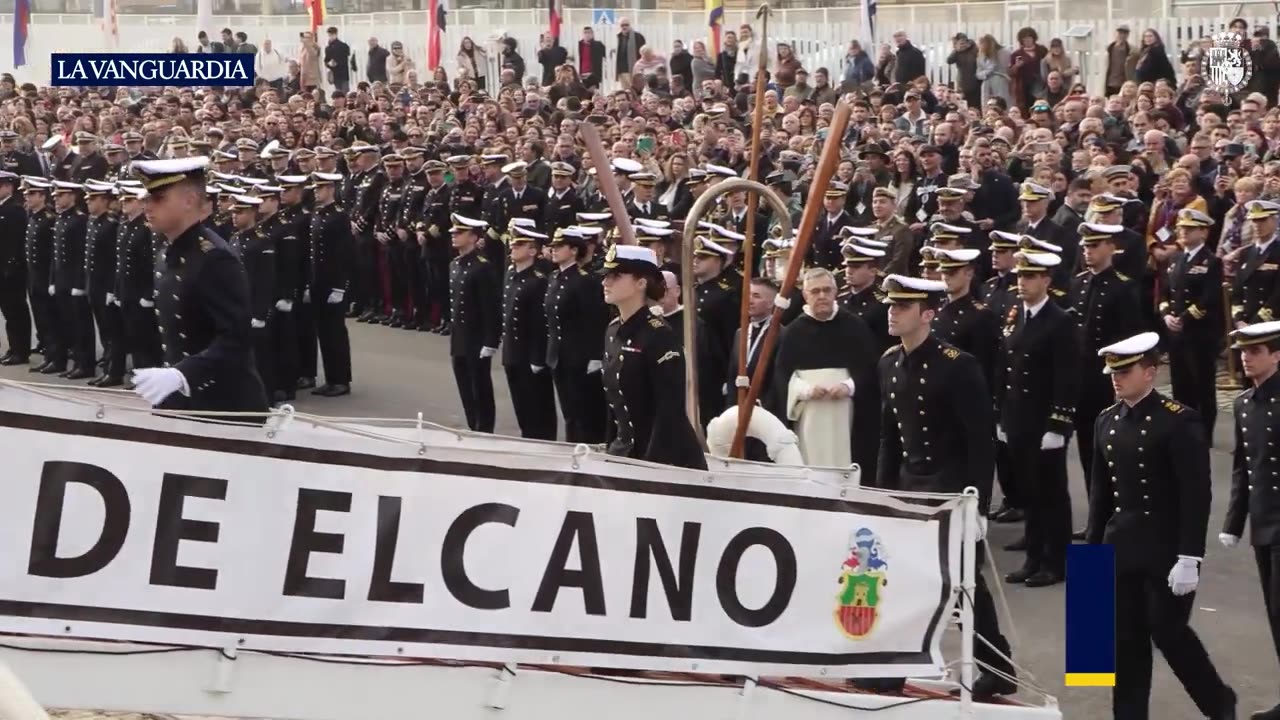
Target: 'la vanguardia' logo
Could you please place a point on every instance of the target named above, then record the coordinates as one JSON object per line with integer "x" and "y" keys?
{"x": 1227, "y": 66}
{"x": 863, "y": 575}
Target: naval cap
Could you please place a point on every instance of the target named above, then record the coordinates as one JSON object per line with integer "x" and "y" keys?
{"x": 1118, "y": 356}
{"x": 903, "y": 288}
{"x": 1256, "y": 334}
{"x": 156, "y": 174}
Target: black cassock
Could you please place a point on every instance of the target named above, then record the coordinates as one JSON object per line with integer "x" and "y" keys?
{"x": 846, "y": 342}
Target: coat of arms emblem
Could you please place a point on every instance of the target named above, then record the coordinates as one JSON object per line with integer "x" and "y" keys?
{"x": 863, "y": 575}
{"x": 1227, "y": 66}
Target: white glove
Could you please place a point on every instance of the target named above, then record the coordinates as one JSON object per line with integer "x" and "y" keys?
{"x": 487, "y": 352}
{"x": 111, "y": 299}
{"x": 306, "y": 295}
{"x": 1052, "y": 441}
{"x": 257, "y": 324}
{"x": 146, "y": 303}
{"x": 594, "y": 366}
{"x": 156, "y": 384}
{"x": 52, "y": 291}
{"x": 1185, "y": 576}
{"x": 78, "y": 293}
{"x": 537, "y": 368}
{"x": 284, "y": 305}
{"x": 1001, "y": 436}
{"x": 335, "y": 296}
{"x": 1228, "y": 540}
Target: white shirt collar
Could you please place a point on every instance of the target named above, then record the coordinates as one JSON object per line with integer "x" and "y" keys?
{"x": 673, "y": 312}
{"x": 1033, "y": 310}
{"x": 1192, "y": 252}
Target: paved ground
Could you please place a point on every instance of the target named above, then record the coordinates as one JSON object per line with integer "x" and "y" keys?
{"x": 399, "y": 373}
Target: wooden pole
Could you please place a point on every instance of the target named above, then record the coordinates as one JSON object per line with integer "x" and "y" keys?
{"x": 608, "y": 188}
{"x": 753, "y": 204}
{"x": 826, "y": 168}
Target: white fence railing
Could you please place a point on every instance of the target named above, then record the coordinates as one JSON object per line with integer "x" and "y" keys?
{"x": 819, "y": 35}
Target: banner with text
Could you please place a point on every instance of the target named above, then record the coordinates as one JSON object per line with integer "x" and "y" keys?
{"x": 134, "y": 527}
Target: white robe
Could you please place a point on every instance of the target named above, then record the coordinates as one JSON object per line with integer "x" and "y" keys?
{"x": 823, "y": 425}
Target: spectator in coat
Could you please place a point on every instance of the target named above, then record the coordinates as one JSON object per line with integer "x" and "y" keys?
{"x": 1060, "y": 62}
{"x": 822, "y": 90}
{"x": 628, "y": 52}
{"x": 1266, "y": 65}
{"x": 749, "y": 51}
{"x": 473, "y": 60}
{"x": 375, "y": 67}
{"x": 681, "y": 62}
{"x": 1028, "y": 84}
{"x": 398, "y": 65}
{"x": 244, "y": 46}
{"x": 510, "y": 58}
{"x": 859, "y": 71}
{"x": 550, "y": 56}
{"x": 270, "y": 65}
{"x": 964, "y": 55}
{"x": 1153, "y": 60}
{"x": 727, "y": 59}
{"x": 992, "y": 70}
{"x": 308, "y": 62}
{"x": 702, "y": 67}
{"x": 909, "y": 60}
{"x": 591, "y": 54}
{"x": 340, "y": 61}
{"x": 785, "y": 66}
{"x": 1118, "y": 54}
{"x": 205, "y": 46}
{"x": 886, "y": 66}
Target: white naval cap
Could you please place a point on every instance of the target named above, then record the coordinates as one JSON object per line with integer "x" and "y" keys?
{"x": 1118, "y": 356}
{"x": 630, "y": 258}
{"x": 946, "y": 229}
{"x": 652, "y": 222}
{"x": 53, "y": 142}
{"x": 521, "y": 233}
{"x": 722, "y": 232}
{"x": 625, "y": 166}
{"x": 1026, "y": 242}
{"x": 950, "y": 259}
{"x": 1030, "y": 261}
{"x": 1256, "y": 334}
{"x": 854, "y": 252}
{"x": 858, "y": 231}
{"x": 466, "y": 224}
{"x": 722, "y": 171}
{"x": 904, "y": 288}
{"x": 710, "y": 248}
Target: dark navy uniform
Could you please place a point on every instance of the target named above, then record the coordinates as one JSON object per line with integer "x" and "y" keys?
{"x": 332, "y": 252}
{"x": 561, "y": 211}
{"x": 136, "y": 250}
{"x": 13, "y": 280}
{"x": 644, "y": 383}
{"x": 409, "y": 223}
{"x": 531, "y": 204}
{"x": 1106, "y": 310}
{"x": 1036, "y": 394}
{"x": 968, "y": 324}
{"x": 360, "y": 206}
{"x": 870, "y": 306}
{"x": 203, "y": 307}
{"x": 576, "y": 322}
{"x": 1255, "y": 489}
{"x": 1150, "y": 501}
{"x": 89, "y": 167}
{"x": 524, "y": 352}
{"x": 999, "y": 293}
{"x": 936, "y": 421}
{"x": 477, "y": 324}
{"x": 282, "y": 232}
{"x": 1255, "y": 292}
{"x": 100, "y": 269}
{"x": 824, "y": 251}
{"x": 493, "y": 210}
{"x": 71, "y": 292}
{"x": 437, "y": 253}
{"x": 719, "y": 306}
{"x": 257, "y": 251}
{"x": 1193, "y": 294}
{"x": 49, "y": 327}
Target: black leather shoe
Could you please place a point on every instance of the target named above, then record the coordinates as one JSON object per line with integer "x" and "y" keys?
{"x": 96, "y": 381}
{"x": 1009, "y": 515}
{"x": 53, "y": 369}
{"x": 39, "y": 368}
{"x": 989, "y": 685}
{"x": 1021, "y": 574}
{"x": 306, "y": 383}
{"x": 322, "y": 391}
{"x": 446, "y": 331}
{"x": 367, "y": 317}
{"x": 16, "y": 360}
{"x": 338, "y": 390}
{"x": 1080, "y": 535}
{"x": 1044, "y": 578}
{"x": 1019, "y": 545}
{"x": 81, "y": 373}
{"x": 39, "y": 350}
{"x": 354, "y": 313}
{"x": 109, "y": 382}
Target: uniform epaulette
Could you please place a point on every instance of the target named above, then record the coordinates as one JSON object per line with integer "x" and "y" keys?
{"x": 1113, "y": 407}
{"x": 582, "y": 271}
{"x": 1174, "y": 406}
{"x": 1057, "y": 293}
{"x": 1082, "y": 273}
{"x": 1121, "y": 275}
{"x": 891, "y": 350}
{"x": 655, "y": 322}
{"x": 615, "y": 321}
{"x": 482, "y": 258}
{"x": 979, "y": 305}
{"x": 539, "y": 273}
{"x": 879, "y": 294}
{"x": 206, "y": 244}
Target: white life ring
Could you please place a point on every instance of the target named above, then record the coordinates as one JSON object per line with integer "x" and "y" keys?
{"x": 780, "y": 442}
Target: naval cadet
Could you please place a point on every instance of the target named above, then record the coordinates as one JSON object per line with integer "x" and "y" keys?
{"x": 1255, "y": 291}
{"x": 1106, "y": 309}
{"x": 280, "y": 228}
{"x": 1000, "y": 290}
{"x": 68, "y": 284}
{"x": 1150, "y": 501}
{"x": 824, "y": 250}
{"x": 50, "y": 329}
{"x": 524, "y": 337}
{"x": 133, "y": 292}
{"x": 257, "y": 251}
{"x": 860, "y": 295}
{"x": 563, "y": 203}
{"x": 936, "y": 421}
{"x": 644, "y": 370}
{"x": 331, "y": 257}
{"x": 963, "y": 320}
{"x": 13, "y": 272}
{"x": 477, "y": 322}
{"x": 1130, "y": 247}
{"x": 1255, "y": 474}
{"x": 100, "y": 270}
{"x": 523, "y": 200}
{"x": 1035, "y": 400}
{"x": 202, "y": 301}
{"x": 1191, "y": 308}
{"x": 577, "y": 318}
{"x": 718, "y": 292}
